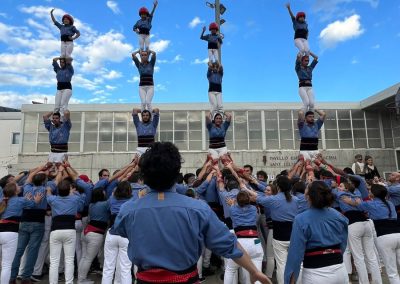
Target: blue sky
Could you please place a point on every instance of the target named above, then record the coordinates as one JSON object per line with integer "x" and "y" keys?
{"x": 357, "y": 42}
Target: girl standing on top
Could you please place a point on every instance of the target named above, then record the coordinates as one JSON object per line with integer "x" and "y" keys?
{"x": 300, "y": 27}
{"x": 215, "y": 73}
{"x": 214, "y": 40}
{"x": 68, "y": 33}
{"x": 143, "y": 26}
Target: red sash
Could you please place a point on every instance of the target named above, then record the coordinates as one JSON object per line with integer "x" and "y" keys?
{"x": 6, "y": 221}
{"x": 92, "y": 229}
{"x": 160, "y": 275}
{"x": 322, "y": 252}
{"x": 247, "y": 234}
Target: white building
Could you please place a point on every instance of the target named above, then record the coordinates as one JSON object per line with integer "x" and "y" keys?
{"x": 10, "y": 125}
{"x": 264, "y": 135}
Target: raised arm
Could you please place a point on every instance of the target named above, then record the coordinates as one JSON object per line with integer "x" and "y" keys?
{"x": 33, "y": 172}
{"x": 67, "y": 115}
{"x": 153, "y": 57}
{"x": 228, "y": 117}
{"x": 154, "y": 8}
{"x": 47, "y": 115}
{"x": 301, "y": 117}
{"x": 202, "y": 33}
{"x": 52, "y": 16}
{"x": 290, "y": 11}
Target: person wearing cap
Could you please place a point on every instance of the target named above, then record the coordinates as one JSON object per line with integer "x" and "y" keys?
{"x": 64, "y": 72}
{"x": 146, "y": 129}
{"x": 168, "y": 250}
{"x": 217, "y": 129}
{"x": 59, "y": 132}
{"x": 68, "y": 32}
{"x": 143, "y": 26}
{"x": 214, "y": 40}
{"x": 300, "y": 27}
{"x": 309, "y": 130}
{"x": 146, "y": 71}
{"x": 215, "y": 73}
{"x": 304, "y": 73}
{"x": 319, "y": 239}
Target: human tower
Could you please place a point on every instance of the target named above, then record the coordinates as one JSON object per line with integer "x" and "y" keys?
{"x": 217, "y": 120}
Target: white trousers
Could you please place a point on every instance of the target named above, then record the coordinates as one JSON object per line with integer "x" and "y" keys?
{"x": 281, "y": 249}
{"x": 302, "y": 45}
{"x": 57, "y": 158}
{"x": 270, "y": 255}
{"x": 389, "y": 249}
{"x": 116, "y": 257}
{"x": 253, "y": 247}
{"x": 93, "y": 243}
{"x": 215, "y": 99}
{"x": 333, "y": 274}
{"x": 361, "y": 244}
{"x": 146, "y": 94}
{"x": 62, "y": 100}
{"x": 309, "y": 155}
{"x": 213, "y": 55}
{"x": 218, "y": 152}
{"x": 8, "y": 243}
{"x": 62, "y": 239}
{"x": 66, "y": 49}
{"x": 78, "y": 242}
{"x": 144, "y": 42}
{"x": 307, "y": 96}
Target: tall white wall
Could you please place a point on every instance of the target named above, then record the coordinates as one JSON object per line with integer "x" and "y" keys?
{"x": 9, "y": 123}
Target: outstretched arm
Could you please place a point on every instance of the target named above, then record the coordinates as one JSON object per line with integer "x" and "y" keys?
{"x": 202, "y": 33}
{"x": 52, "y": 16}
{"x": 290, "y": 11}
{"x": 154, "y": 8}
{"x": 321, "y": 114}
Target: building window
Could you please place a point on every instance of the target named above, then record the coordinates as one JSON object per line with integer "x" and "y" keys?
{"x": 15, "y": 138}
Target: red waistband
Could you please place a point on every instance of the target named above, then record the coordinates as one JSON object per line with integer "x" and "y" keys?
{"x": 160, "y": 275}
{"x": 92, "y": 229}
{"x": 247, "y": 233}
{"x": 321, "y": 252}
{"x": 5, "y": 221}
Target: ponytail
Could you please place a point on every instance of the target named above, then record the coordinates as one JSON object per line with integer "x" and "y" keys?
{"x": 284, "y": 186}
{"x": 9, "y": 191}
{"x": 3, "y": 205}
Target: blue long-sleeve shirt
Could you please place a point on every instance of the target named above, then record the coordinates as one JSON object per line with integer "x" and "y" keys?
{"x": 64, "y": 75}
{"x": 15, "y": 206}
{"x": 394, "y": 193}
{"x": 181, "y": 226}
{"x": 208, "y": 190}
{"x": 377, "y": 210}
{"x": 31, "y": 189}
{"x": 66, "y": 30}
{"x": 144, "y": 26}
{"x": 308, "y": 130}
{"x": 99, "y": 211}
{"x": 314, "y": 228}
{"x": 136, "y": 188}
{"x": 87, "y": 188}
{"x": 58, "y": 135}
{"x": 303, "y": 203}
{"x": 362, "y": 188}
{"x": 281, "y": 210}
{"x": 223, "y": 195}
{"x": 66, "y": 205}
{"x": 146, "y": 129}
{"x": 300, "y": 29}
{"x": 305, "y": 73}
{"x": 215, "y": 79}
{"x": 243, "y": 216}
{"x": 216, "y": 134}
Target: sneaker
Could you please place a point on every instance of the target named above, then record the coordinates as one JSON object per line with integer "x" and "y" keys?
{"x": 354, "y": 276}
{"x": 19, "y": 277}
{"x": 202, "y": 279}
{"x": 208, "y": 271}
{"x": 36, "y": 278}
{"x": 85, "y": 281}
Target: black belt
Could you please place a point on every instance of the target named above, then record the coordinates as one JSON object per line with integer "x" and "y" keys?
{"x": 322, "y": 256}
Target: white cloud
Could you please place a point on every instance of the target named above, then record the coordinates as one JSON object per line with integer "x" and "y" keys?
{"x": 156, "y": 69}
{"x": 15, "y": 99}
{"x": 135, "y": 79}
{"x": 111, "y": 88}
{"x": 113, "y": 6}
{"x": 112, "y": 75}
{"x": 376, "y": 46}
{"x": 176, "y": 59}
{"x": 160, "y": 88}
{"x": 354, "y": 61}
{"x": 195, "y": 22}
{"x": 160, "y": 45}
{"x": 330, "y": 9}
{"x": 340, "y": 31}
{"x": 199, "y": 61}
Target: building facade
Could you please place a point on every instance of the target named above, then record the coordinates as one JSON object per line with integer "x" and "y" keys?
{"x": 262, "y": 134}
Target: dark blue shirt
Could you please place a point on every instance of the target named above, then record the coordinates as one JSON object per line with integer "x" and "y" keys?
{"x": 66, "y": 30}
{"x": 144, "y": 26}
{"x": 58, "y": 135}
{"x": 63, "y": 74}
